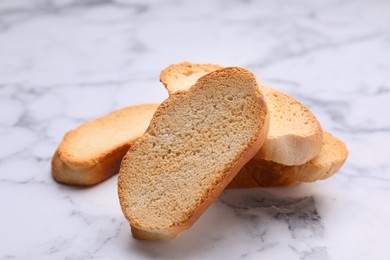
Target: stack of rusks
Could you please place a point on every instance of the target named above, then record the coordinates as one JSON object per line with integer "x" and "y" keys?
{"x": 219, "y": 128}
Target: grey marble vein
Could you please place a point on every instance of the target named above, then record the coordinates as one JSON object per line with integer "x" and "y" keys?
{"x": 64, "y": 62}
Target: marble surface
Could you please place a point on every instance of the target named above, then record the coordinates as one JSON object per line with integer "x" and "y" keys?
{"x": 63, "y": 62}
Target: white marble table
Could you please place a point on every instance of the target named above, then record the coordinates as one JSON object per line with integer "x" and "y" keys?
{"x": 63, "y": 62}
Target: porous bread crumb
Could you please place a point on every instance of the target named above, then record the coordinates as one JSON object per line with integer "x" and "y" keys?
{"x": 197, "y": 141}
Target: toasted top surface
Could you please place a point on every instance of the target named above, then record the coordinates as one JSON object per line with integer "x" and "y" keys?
{"x": 94, "y": 141}
{"x": 288, "y": 115}
{"x": 183, "y": 75}
{"x": 295, "y": 135}
{"x": 194, "y": 139}
{"x": 333, "y": 151}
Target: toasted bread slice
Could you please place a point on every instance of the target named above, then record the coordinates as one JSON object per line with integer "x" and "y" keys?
{"x": 295, "y": 135}
{"x": 196, "y": 143}
{"x": 262, "y": 173}
{"x": 93, "y": 151}
{"x": 175, "y": 76}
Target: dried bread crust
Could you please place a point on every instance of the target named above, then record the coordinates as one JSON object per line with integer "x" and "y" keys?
{"x": 75, "y": 163}
{"x": 191, "y": 71}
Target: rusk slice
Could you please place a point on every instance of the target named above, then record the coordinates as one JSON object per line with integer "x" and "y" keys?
{"x": 93, "y": 151}
{"x": 295, "y": 135}
{"x": 175, "y": 76}
{"x": 196, "y": 143}
{"x": 261, "y": 173}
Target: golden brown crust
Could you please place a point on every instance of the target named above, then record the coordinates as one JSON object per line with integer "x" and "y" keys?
{"x": 71, "y": 151}
{"x": 170, "y": 76}
{"x": 262, "y": 173}
{"x": 143, "y": 228}
{"x": 73, "y": 175}
{"x": 92, "y": 152}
